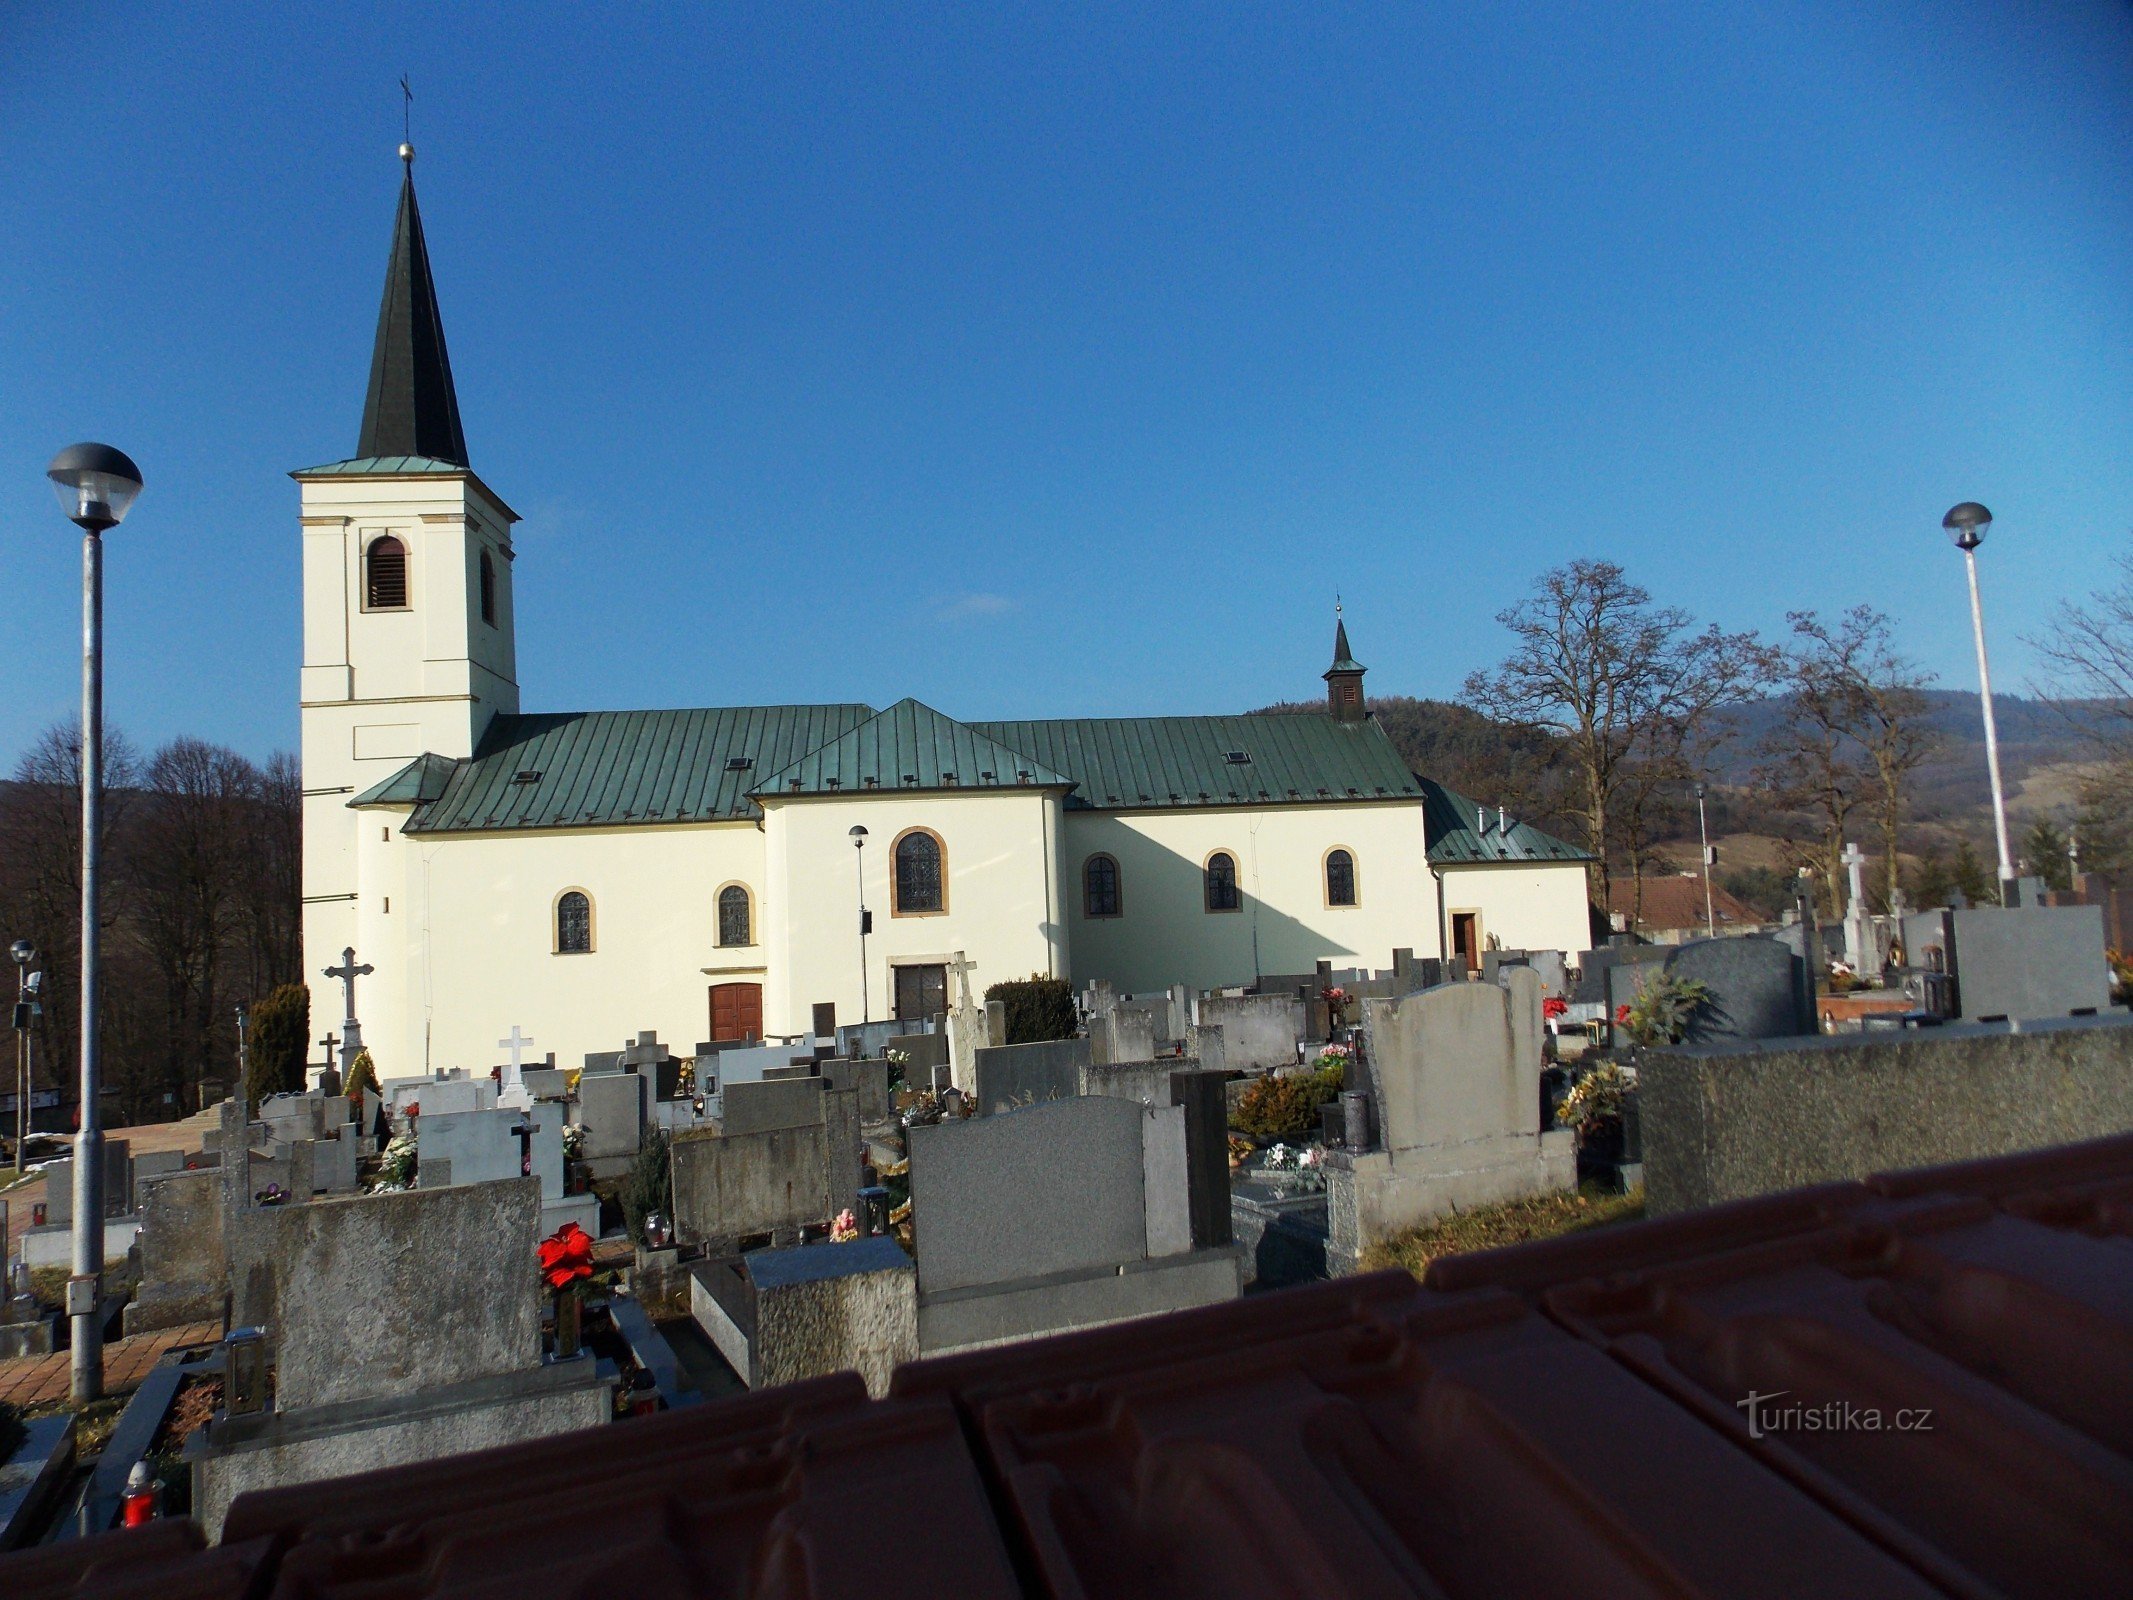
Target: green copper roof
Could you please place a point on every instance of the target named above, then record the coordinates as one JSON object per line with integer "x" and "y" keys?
{"x": 418, "y": 783}
{"x": 1125, "y": 763}
{"x": 599, "y": 768}
{"x": 1464, "y": 833}
{"x": 382, "y": 467}
{"x": 910, "y": 746}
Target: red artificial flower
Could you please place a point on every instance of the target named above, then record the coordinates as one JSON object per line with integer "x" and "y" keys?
{"x": 566, "y": 1256}
{"x": 1336, "y": 995}
{"x": 1555, "y": 1006}
{"x": 1622, "y": 1015}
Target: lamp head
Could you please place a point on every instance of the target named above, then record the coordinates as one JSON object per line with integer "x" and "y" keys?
{"x": 1966, "y": 524}
{"x": 858, "y": 836}
{"x": 96, "y": 485}
{"x": 23, "y": 951}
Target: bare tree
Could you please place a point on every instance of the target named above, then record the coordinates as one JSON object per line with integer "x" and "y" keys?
{"x": 1854, "y": 731}
{"x": 2090, "y": 650}
{"x": 1631, "y": 688}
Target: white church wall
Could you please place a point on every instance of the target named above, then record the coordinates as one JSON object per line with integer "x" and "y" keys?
{"x": 378, "y": 687}
{"x": 467, "y": 947}
{"x": 1522, "y": 905}
{"x": 1002, "y": 906}
{"x": 1166, "y": 935}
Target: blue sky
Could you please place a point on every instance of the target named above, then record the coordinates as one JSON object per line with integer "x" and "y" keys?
{"x": 1068, "y": 361}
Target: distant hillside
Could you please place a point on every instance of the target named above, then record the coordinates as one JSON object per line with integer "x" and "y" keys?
{"x": 2041, "y": 750}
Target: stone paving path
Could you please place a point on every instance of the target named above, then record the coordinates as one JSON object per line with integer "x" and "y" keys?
{"x": 34, "y": 1380}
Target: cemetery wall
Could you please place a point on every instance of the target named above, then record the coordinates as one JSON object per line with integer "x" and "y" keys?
{"x": 654, "y": 893}
{"x": 1524, "y": 905}
{"x": 1165, "y": 935}
{"x": 1726, "y": 1122}
{"x": 1000, "y": 901}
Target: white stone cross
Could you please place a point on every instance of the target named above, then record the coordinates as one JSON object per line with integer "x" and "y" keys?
{"x": 351, "y": 1030}
{"x": 962, "y": 966}
{"x": 1854, "y": 860}
{"x": 515, "y": 1086}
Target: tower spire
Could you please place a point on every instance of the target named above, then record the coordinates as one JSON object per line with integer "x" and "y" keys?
{"x": 411, "y": 409}
{"x": 1344, "y": 679}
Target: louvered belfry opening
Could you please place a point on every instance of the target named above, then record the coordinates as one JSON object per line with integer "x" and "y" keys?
{"x": 385, "y": 575}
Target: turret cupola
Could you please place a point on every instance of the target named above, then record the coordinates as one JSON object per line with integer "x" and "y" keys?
{"x": 1344, "y": 679}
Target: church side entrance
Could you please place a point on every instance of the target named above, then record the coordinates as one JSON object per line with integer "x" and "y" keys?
{"x": 921, "y": 992}
{"x": 736, "y": 1011}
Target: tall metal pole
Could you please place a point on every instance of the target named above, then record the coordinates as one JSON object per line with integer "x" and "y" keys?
{"x": 1703, "y": 834}
{"x": 1992, "y": 731}
{"x": 85, "y": 1286}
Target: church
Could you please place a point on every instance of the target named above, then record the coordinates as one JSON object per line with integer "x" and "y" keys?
{"x": 584, "y": 875}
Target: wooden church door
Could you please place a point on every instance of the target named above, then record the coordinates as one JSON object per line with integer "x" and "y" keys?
{"x": 736, "y": 1011}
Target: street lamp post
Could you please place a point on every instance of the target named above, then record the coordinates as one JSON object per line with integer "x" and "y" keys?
{"x": 858, "y": 836}
{"x": 27, "y": 984}
{"x": 1703, "y": 834}
{"x": 96, "y": 486}
{"x": 1966, "y": 525}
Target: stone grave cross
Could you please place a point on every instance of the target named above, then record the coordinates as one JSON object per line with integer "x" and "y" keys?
{"x": 351, "y": 1030}
{"x": 1860, "y": 943}
{"x": 516, "y": 1044}
{"x": 966, "y": 1028}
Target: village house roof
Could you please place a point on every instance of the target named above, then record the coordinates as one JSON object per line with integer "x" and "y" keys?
{"x": 1677, "y": 902}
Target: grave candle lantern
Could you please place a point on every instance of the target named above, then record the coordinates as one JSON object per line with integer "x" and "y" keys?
{"x": 244, "y": 1372}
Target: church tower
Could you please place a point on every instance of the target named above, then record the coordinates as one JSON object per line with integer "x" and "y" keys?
{"x": 408, "y": 628}
{"x": 1344, "y": 679}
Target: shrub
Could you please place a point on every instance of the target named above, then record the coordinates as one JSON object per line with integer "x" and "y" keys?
{"x": 1663, "y": 1009}
{"x": 1282, "y": 1108}
{"x": 646, "y": 1186}
{"x": 362, "y": 1074}
{"x": 280, "y": 1033}
{"x": 1038, "y": 1008}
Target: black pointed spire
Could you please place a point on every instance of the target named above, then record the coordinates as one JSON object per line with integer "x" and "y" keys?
{"x": 411, "y": 409}
{"x": 1344, "y": 679}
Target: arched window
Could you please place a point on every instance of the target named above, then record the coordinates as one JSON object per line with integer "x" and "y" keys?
{"x": 488, "y": 589}
{"x": 1222, "y": 882}
{"x": 736, "y": 923}
{"x": 919, "y": 877}
{"x": 573, "y": 923}
{"x": 1099, "y": 887}
{"x": 1340, "y": 878}
{"x": 385, "y": 575}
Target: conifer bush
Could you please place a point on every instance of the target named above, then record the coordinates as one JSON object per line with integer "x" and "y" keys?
{"x": 280, "y": 1033}
{"x": 1286, "y": 1107}
{"x": 1038, "y": 1008}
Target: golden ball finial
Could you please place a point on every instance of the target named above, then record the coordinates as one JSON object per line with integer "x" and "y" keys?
{"x": 407, "y": 154}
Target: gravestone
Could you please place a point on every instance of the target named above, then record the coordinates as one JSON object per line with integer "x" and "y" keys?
{"x": 1258, "y": 1031}
{"x": 1862, "y": 938}
{"x": 1758, "y": 989}
{"x": 153, "y": 1164}
{"x": 612, "y": 1108}
{"x": 733, "y": 1186}
{"x": 185, "y": 1269}
{"x": 995, "y": 1022}
{"x": 449, "y": 1096}
{"x": 759, "y": 1107}
{"x": 2030, "y": 963}
{"x": 1454, "y": 1081}
{"x": 1203, "y": 1043}
{"x": 870, "y": 1079}
{"x": 1200, "y": 1094}
{"x": 966, "y": 1027}
{"x": 546, "y": 1083}
{"x": 483, "y": 1146}
{"x": 929, "y": 1058}
{"x": 780, "y": 1316}
{"x": 1124, "y": 1033}
{"x": 1023, "y": 1074}
{"x": 1049, "y": 1188}
{"x": 118, "y": 1184}
{"x": 845, "y": 1147}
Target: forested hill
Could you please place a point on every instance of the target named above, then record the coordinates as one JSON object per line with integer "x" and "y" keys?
{"x": 1460, "y": 748}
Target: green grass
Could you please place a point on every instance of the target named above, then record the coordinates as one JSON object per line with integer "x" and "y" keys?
{"x": 1492, "y": 1227}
